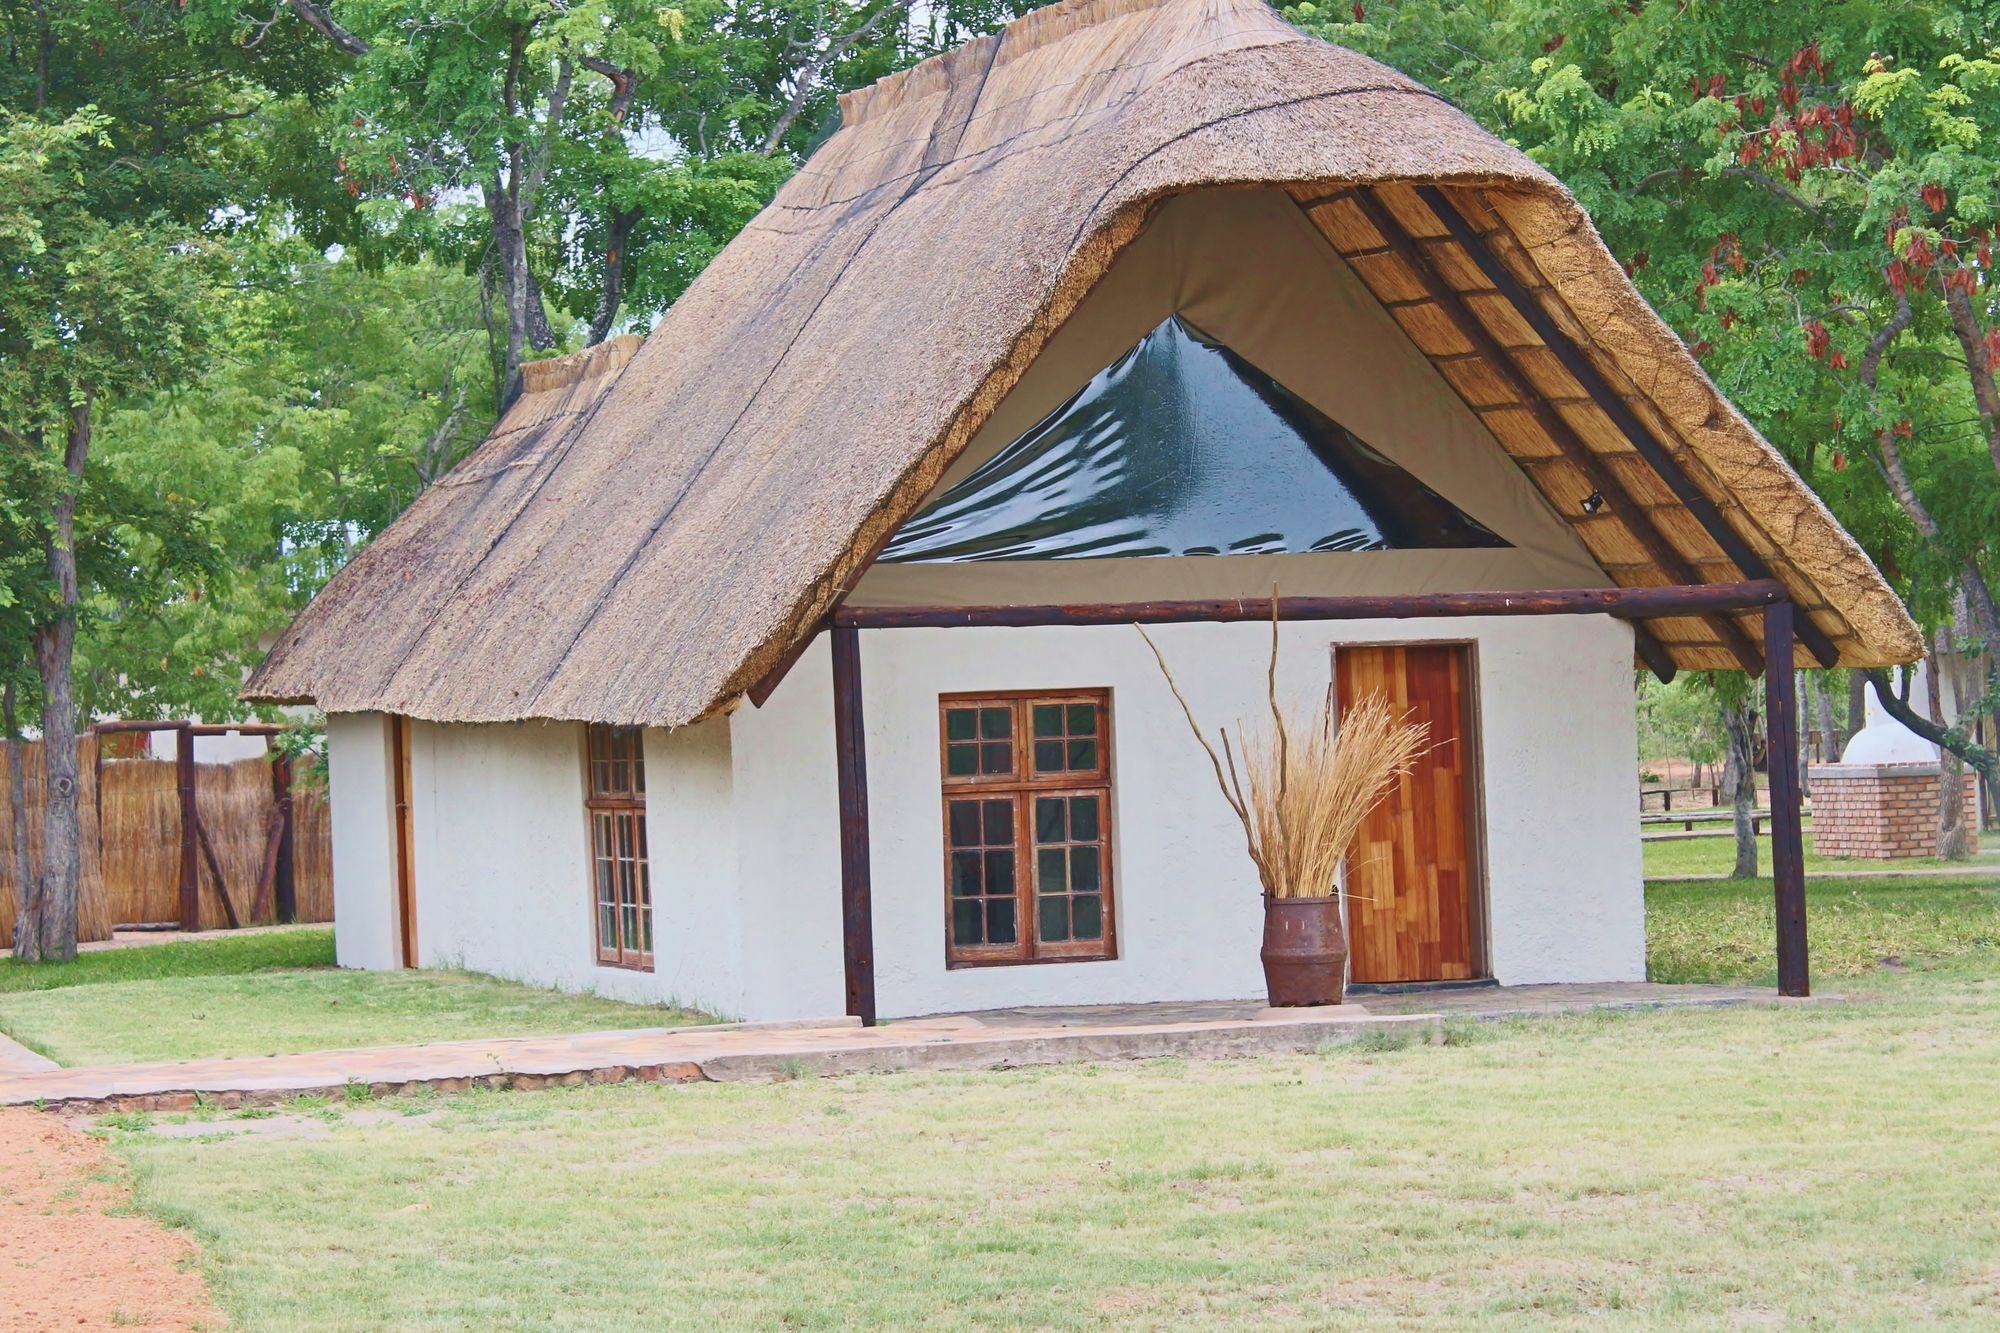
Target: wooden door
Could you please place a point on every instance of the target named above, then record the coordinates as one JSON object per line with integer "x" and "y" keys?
{"x": 1412, "y": 873}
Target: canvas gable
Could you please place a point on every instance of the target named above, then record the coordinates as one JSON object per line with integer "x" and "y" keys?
{"x": 1248, "y": 269}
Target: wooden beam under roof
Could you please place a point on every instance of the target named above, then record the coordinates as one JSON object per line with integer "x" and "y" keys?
{"x": 1649, "y": 446}
{"x": 1624, "y": 603}
{"x": 1625, "y": 507}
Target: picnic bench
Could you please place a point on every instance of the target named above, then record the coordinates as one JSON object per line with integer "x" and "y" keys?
{"x": 1666, "y": 795}
{"x": 1687, "y": 819}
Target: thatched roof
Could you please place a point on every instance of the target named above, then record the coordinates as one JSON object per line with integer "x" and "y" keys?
{"x": 649, "y": 556}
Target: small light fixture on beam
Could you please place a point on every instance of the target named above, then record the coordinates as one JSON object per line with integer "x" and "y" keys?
{"x": 1593, "y": 502}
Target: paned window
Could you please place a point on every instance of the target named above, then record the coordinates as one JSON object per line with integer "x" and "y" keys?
{"x": 615, "y": 768}
{"x": 1027, "y": 825}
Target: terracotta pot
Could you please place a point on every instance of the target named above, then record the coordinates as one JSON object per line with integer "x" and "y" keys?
{"x": 1305, "y": 952}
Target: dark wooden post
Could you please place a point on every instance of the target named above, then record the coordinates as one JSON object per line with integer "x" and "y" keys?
{"x": 851, "y": 769}
{"x": 285, "y": 881}
{"x": 190, "y": 885}
{"x": 1788, "y": 869}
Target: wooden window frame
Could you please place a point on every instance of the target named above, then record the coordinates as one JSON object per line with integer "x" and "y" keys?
{"x": 620, "y": 800}
{"x": 1023, "y": 785}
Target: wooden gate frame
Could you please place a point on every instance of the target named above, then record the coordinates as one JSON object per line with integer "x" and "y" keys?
{"x": 283, "y": 869}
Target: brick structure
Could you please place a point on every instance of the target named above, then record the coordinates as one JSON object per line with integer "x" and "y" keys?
{"x": 1881, "y": 811}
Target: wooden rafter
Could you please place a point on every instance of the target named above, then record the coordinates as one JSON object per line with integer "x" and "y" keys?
{"x": 1649, "y": 446}
{"x": 1625, "y": 507}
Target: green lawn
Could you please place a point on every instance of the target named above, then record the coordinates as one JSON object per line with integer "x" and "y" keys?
{"x": 1721, "y": 931}
{"x": 1717, "y": 856}
{"x": 192, "y": 958}
{"x": 1827, "y": 1164}
{"x": 266, "y": 994}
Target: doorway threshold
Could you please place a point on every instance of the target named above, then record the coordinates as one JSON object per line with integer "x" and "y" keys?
{"x": 1418, "y": 987}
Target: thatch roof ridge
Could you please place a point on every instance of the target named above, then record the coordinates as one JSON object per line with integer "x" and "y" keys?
{"x": 657, "y": 552}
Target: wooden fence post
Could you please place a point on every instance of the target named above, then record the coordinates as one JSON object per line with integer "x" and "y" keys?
{"x": 190, "y": 885}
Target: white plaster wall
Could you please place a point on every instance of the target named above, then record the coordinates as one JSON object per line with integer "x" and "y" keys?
{"x": 744, "y": 833}
{"x": 698, "y": 919}
{"x": 502, "y": 856}
{"x": 788, "y": 822}
{"x": 503, "y": 872}
{"x": 1559, "y": 790}
{"x": 364, "y": 840}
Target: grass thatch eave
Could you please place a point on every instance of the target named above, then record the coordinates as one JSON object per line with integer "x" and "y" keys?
{"x": 649, "y": 555}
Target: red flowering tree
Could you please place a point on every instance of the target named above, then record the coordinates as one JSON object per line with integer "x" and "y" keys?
{"x": 1808, "y": 192}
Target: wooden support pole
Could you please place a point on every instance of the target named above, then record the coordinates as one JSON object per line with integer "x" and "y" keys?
{"x": 1788, "y": 869}
{"x": 851, "y": 769}
{"x": 190, "y": 880}
{"x": 1656, "y": 454}
{"x": 1625, "y": 603}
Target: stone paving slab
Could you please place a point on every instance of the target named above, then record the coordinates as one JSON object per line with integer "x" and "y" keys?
{"x": 728, "y": 1052}
{"x": 18, "y": 1059}
{"x": 677, "y": 1055}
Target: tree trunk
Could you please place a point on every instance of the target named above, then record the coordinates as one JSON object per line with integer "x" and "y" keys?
{"x": 1829, "y": 738}
{"x": 520, "y": 295}
{"x": 1739, "y": 779}
{"x": 55, "y": 907}
{"x": 1857, "y": 703}
{"x": 1954, "y": 837}
{"x": 17, "y": 809}
{"x": 619, "y": 223}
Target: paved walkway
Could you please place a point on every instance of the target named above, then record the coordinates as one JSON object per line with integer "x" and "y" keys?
{"x": 18, "y": 1059}
{"x": 996, "y": 1039}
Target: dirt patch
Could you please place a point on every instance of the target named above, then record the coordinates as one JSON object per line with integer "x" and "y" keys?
{"x": 67, "y": 1259}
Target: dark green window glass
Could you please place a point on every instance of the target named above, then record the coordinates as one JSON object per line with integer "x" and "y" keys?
{"x": 1053, "y": 919}
{"x": 1000, "y": 921}
{"x": 1051, "y": 870}
{"x": 964, "y": 821}
{"x": 1083, "y": 870}
{"x": 965, "y": 922}
{"x": 1049, "y": 819}
{"x": 1083, "y": 818}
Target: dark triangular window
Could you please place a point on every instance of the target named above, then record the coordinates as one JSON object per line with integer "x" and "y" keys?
{"x": 1181, "y": 447}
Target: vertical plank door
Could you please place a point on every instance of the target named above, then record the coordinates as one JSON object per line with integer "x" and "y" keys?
{"x": 1410, "y": 874}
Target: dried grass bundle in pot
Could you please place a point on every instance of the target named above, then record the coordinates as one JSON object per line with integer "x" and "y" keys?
{"x": 1304, "y": 786}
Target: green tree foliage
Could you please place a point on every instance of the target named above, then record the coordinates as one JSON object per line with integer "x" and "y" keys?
{"x": 587, "y": 160}
{"x": 1808, "y": 194}
{"x": 295, "y": 447}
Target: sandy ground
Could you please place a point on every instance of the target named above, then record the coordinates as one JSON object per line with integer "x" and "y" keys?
{"x": 67, "y": 1260}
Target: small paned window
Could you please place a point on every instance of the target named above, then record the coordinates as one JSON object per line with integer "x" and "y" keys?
{"x": 615, "y": 802}
{"x": 1027, "y": 823}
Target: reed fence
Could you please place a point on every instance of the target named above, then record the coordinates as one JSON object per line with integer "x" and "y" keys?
{"x": 131, "y": 838}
